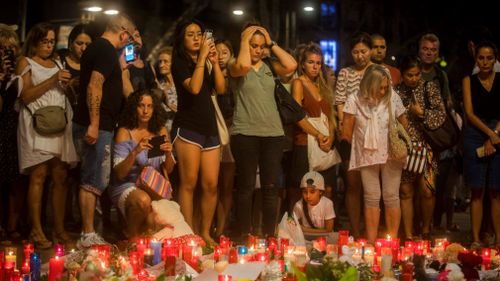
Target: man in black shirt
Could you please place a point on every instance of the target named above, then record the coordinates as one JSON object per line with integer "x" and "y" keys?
{"x": 97, "y": 115}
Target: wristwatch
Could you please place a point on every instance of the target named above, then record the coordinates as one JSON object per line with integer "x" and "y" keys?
{"x": 273, "y": 43}
{"x": 495, "y": 131}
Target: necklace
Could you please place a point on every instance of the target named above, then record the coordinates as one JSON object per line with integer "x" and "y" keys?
{"x": 488, "y": 82}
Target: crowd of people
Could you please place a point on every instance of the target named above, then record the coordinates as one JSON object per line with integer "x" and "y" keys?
{"x": 84, "y": 121}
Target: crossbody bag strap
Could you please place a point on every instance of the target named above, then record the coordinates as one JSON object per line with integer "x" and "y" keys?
{"x": 65, "y": 98}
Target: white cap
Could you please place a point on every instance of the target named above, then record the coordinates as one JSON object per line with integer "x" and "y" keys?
{"x": 313, "y": 179}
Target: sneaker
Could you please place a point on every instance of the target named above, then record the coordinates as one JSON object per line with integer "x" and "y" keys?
{"x": 87, "y": 240}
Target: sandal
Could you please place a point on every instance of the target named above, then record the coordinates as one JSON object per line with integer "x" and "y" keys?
{"x": 476, "y": 246}
{"x": 40, "y": 241}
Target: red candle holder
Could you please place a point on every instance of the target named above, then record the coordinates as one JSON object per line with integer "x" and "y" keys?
{"x": 224, "y": 242}
{"x": 251, "y": 242}
{"x": 170, "y": 265}
{"x": 135, "y": 262}
{"x": 56, "y": 268}
{"x": 272, "y": 243}
{"x": 28, "y": 249}
{"x": 26, "y": 267}
{"x": 321, "y": 243}
{"x": 225, "y": 277}
{"x": 141, "y": 245}
{"x": 284, "y": 243}
{"x": 233, "y": 255}
{"x": 486, "y": 255}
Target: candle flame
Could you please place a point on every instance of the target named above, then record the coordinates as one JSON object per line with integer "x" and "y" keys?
{"x": 388, "y": 237}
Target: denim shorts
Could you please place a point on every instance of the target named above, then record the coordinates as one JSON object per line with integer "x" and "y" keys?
{"x": 204, "y": 142}
{"x": 95, "y": 169}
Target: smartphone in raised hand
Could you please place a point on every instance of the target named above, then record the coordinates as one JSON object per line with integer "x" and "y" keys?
{"x": 129, "y": 53}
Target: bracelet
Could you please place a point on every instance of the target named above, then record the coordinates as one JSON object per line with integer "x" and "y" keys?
{"x": 200, "y": 66}
{"x": 495, "y": 131}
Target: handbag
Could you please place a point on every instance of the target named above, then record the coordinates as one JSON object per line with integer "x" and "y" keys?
{"x": 320, "y": 160}
{"x": 289, "y": 110}
{"x": 444, "y": 137}
{"x": 399, "y": 140}
{"x": 49, "y": 120}
{"x": 417, "y": 159}
{"x": 154, "y": 184}
{"x": 221, "y": 123}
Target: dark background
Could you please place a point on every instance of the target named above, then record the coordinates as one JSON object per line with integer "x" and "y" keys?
{"x": 401, "y": 22}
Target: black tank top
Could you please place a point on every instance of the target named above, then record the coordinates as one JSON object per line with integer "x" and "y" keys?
{"x": 484, "y": 103}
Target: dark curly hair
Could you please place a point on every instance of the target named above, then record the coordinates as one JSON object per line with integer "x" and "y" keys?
{"x": 129, "y": 118}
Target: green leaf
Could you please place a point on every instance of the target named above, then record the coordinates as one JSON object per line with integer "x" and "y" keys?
{"x": 350, "y": 275}
{"x": 161, "y": 277}
{"x": 299, "y": 274}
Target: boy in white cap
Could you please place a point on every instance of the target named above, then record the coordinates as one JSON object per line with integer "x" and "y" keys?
{"x": 315, "y": 211}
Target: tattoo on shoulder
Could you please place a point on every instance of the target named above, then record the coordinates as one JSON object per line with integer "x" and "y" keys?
{"x": 96, "y": 79}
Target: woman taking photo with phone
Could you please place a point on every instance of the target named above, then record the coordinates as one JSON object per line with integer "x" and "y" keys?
{"x": 196, "y": 74}
{"x": 142, "y": 120}
{"x": 43, "y": 154}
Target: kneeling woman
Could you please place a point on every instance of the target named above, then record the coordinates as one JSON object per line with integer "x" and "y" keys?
{"x": 142, "y": 119}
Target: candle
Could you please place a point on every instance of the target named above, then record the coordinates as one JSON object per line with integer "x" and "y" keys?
{"x": 225, "y": 277}
{"x": 369, "y": 255}
{"x": 155, "y": 246}
{"x": 343, "y": 239}
{"x": 262, "y": 257}
{"x": 135, "y": 263}
{"x": 28, "y": 249}
{"x": 386, "y": 260}
{"x": 170, "y": 248}
{"x": 35, "y": 264}
{"x": 321, "y": 244}
{"x": 59, "y": 250}
{"x": 141, "y": 245}
{"x": 233, "y": 256}
{"x": 56, "y": 268}
{"x": 224, "y": 242}
{"x": 272, "y": 244}
{"x": 26, "y": 267}
{"x": 332, "y": 250}
{"x": 11, "y": 256}
{"x": 251, "y": 242}
{"x": 170, "y": 265}
{"x": 284, "y": 243}
{"x": 148, "y": 256}
{"x": 362, "y": 242}
{"x": 486, "y": 254}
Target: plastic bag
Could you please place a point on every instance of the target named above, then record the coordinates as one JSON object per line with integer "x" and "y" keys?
{"x": 289, "y": 228}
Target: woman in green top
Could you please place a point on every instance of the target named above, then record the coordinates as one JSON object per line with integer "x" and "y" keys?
{"x": 257, "y": 132}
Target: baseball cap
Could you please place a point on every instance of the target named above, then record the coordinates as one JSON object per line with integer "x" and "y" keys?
{"x": 313, "y": 179}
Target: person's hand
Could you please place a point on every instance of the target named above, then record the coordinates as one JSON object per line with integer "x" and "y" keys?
{"x": 213, "y": 56}
{"x": 7, "y": 66}
{"x": 63, "y": 77}
{"x": 416, "y": 109}
{"x": 166, "y": 147}
{"x": 92, "y": 134}
{"x": 247, "y": 34}
{"x": 495, "y": 140}
{"x": 326, "y": 145}
{"x": 206, "y": 46}
{"x": 123, "y": 63}
{"x": 143, "y": 145}
{"x": 489, "y": 148}
{"x": 266, "y": 35}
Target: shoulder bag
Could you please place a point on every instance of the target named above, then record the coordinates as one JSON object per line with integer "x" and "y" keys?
{"x": 318, "y": 159}
{"x": 399, "y": 140}
{"x": 417, "y": 159}
{"x": 221, "y": 123}
{"x": 290, "y": 111}
{"x": 154, "y": 184}
{"x": 444, "y": 137}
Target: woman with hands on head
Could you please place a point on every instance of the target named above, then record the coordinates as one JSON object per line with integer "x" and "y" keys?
{"x": 142, "y": 119}
{"x": 257, "y": 133}
{"x": 196, "y": 74}
{"x": 481, "y": 101}
{"x": 43, "y": 83}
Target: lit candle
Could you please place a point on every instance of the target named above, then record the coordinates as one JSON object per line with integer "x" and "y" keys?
{"x": 155, "y": 245}
{"x": 26, "y": 267}
{"x": 170, "y": 249}
{"x": 225, "y": 277}
{"x": 56, "y": 268}
{"x": 386, "y": 260}
{"x": 11, "y": 256}
{"x": 369, "y": 255}
{"x": 332, "y": 251}
{"x": 59, "y": 250}
{"x": 251, "y": 242}
{"x": 141, "y": 245}
{"x": 233, "y": 256}
{"x": 134, "y": 258}
{"x": 224, "y": 242}
{"x": 262, "y": 257}
{"x": 148, "y": 256}
{"x": 486, "y": 254}
{"x": 28, "y": 249}
{"x": 284, "y": 243}
{"x": 321, "y": 243}
{"x": 343, "y": 239}
{"x": 272, "y": 244}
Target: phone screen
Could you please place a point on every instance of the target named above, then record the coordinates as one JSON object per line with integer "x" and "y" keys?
{"x": 129, "y": 53}
{"x": 156, "y": 142}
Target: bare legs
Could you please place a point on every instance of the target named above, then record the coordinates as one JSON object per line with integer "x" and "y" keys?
{"x": 193, "y": 161}
{"x": 406, "y": 196}
{"x": 353, "y": 201}
{"x": 137, "y": 209}
{"x": 226, "y": 183}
